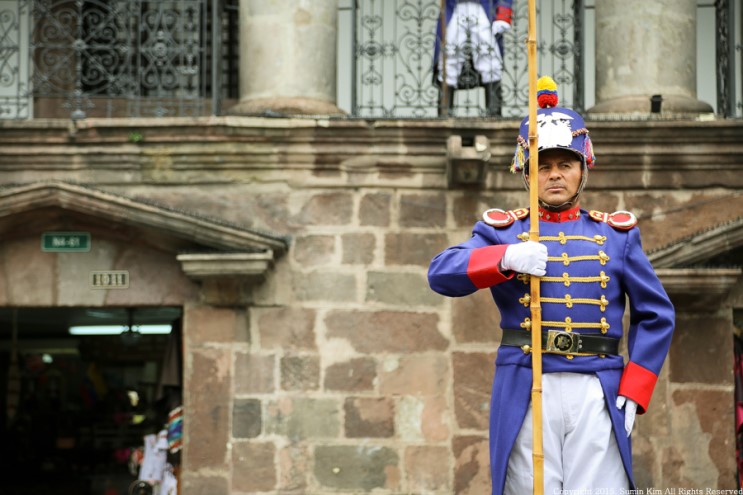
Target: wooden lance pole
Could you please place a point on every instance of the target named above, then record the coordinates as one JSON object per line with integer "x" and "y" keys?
{"x": 536, "y": 309}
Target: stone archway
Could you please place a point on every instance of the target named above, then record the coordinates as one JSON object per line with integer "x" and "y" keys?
{"x": 171, "y": 258}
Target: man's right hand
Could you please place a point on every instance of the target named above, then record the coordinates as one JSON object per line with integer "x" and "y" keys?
{"x": 528, "y": 257}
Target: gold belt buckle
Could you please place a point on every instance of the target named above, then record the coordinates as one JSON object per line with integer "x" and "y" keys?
{"x": 559, "y": 342}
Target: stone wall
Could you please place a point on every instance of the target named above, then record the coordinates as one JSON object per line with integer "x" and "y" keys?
{"x": 342, "y": 372}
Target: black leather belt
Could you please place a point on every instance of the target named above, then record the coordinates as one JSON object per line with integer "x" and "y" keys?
{"x": 560, "y": 342}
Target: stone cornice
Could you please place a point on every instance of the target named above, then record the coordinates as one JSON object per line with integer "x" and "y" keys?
{"x": 632, "y": 154}
{"x": 703, "y": 285}
{"x": 701, "y": 246}
{"x": 210, "y": 233}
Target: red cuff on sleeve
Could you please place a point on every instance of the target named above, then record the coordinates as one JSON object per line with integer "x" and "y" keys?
{"x": 483, "y": 266}
{"x": 504, "y": 14}
{"x": 638, "y": 384}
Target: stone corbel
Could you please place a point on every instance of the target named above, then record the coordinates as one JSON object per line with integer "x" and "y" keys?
{"x": 466, "y": 160}
{"x": 247, "y": 265}
{"x": 227, "y": 278}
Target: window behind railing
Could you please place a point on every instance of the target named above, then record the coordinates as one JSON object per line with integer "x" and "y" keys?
{"x": 113, "y": 58}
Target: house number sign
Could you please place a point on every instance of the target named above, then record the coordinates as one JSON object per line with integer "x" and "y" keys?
{"x": 117, "y": 279}
{"x": 65, "y": 242}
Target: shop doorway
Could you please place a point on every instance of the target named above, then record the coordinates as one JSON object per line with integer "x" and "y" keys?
{"x": 81, "y": 391}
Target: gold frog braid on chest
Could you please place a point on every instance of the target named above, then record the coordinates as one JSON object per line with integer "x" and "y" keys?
{"x": 563, "y": 239}
{"x": 601, "y": 257}
{"x": 566, "y": 279}
{"x": 568, "y": 301}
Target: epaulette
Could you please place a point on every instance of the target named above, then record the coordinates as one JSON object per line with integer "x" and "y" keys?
{"x": 620, "y": 220}
{"x": 501, "y": 218}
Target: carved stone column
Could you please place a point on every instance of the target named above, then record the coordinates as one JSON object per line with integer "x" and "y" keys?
{"x": 644, "y": 49}
{"x": 287, "y": 57}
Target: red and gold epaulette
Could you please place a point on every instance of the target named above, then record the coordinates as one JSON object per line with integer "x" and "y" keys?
{"x": 620, "y": 220}
{"x": 501, "y": 218}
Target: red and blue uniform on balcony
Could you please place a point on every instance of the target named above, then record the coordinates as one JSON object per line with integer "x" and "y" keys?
{"x": 495, "y": 10}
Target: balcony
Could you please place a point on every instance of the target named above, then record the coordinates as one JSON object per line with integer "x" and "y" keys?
{"x": 137, "y": 58}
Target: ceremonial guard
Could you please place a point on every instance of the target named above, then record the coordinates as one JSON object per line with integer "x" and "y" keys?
{"x": 474, "y": 35}
{"x": 590, "y": 263}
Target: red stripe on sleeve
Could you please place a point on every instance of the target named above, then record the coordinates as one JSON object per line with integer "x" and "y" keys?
{"x": 483, "y": 266}
{"x": 638, "y": 384}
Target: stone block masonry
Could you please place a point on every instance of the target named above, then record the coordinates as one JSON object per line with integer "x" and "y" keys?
{"x": 339, "y": 371}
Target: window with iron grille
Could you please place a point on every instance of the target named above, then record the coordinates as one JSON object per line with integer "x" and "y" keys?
{"x": 123, "y": 58}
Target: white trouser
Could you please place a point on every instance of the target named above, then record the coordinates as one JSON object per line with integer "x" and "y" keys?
{"x": 470, "y": 22}
{"x": 580, "y": 451}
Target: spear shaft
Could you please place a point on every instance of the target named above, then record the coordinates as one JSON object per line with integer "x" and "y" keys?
{"x": 536, "y": 309}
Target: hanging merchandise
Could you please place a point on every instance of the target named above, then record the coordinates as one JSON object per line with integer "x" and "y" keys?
{"x": 155, "y": 457}
{"x": 135, "y": 460}
{"x": 140, "y": 488}
{"x": 169, "y": 485}
{"x": 175, "y": 430}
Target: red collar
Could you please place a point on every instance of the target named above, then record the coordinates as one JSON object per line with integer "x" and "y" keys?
{"x": 559, "y": 216}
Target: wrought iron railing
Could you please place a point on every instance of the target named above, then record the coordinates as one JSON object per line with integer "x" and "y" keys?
{"x": 395, "y": 57}
{"x": 727, "y": 103}
{"x": 140, "y": 58}
{"x": 106, "y": 58}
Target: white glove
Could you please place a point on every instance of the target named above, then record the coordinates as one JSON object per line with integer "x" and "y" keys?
{"x": 528, "y": 257}
{"x": 500, "y": 27}
{"x": 630, "y": 409}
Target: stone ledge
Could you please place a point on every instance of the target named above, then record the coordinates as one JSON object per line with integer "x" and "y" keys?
{"x": 695, "y": 287}
{"x": 248, "y": 265}
{"x": 716, "y": 281}
{"x": 701, "y": 246}
{"x": 632, "y": 154}
{"x": 285, "y": 107}
{"x": 641, "y": 104}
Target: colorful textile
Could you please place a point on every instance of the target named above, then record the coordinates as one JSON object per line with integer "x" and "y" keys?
{"x": 175, "y": 430}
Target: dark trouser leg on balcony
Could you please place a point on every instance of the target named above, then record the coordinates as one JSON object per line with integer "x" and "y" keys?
{"x": 449, "y": 102}
{"x": 493, "y": 98}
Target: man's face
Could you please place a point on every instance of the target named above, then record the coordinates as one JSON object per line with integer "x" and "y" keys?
{"x": 559, "y": 178}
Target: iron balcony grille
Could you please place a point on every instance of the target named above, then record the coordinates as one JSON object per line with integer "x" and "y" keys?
{"x": 394, "y": 58}
{"x": 113, "y": 58}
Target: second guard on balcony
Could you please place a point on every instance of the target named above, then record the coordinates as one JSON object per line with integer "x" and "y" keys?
{"x": 473, "y": 50}
{"x": 589, "y": 264}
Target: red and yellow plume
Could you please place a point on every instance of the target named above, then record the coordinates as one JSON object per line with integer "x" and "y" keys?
{"x": 547, "y": 92}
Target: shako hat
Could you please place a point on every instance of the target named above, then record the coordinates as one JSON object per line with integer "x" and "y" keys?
{"x": 557, "y": 127}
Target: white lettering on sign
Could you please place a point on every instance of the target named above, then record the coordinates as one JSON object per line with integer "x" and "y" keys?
{"x": 109, "y": 279}
{"x": 58, "y": 241}
{"x": 65, "y": 241}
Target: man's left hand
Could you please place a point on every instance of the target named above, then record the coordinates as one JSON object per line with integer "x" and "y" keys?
{"x": 630, "y": 410}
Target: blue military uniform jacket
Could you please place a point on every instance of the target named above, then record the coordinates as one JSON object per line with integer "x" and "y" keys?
{"x": 595, "y": 263}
